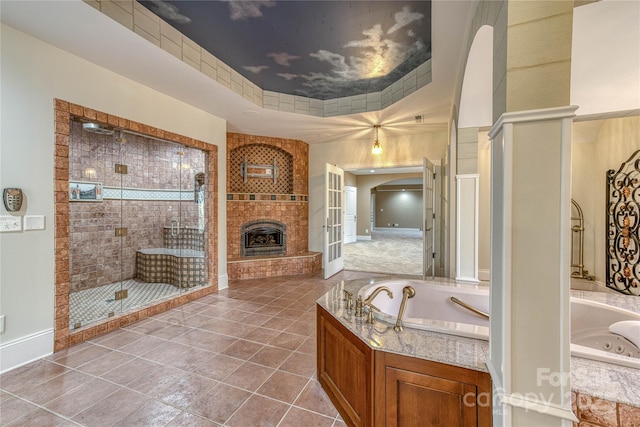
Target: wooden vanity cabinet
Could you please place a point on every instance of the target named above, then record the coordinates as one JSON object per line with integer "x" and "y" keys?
{"x": 417, "y": 392}
{"x": 345, "y": 370}
{"x": 375, "y": 388}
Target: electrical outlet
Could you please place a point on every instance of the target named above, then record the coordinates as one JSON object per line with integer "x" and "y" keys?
{"x": 2, "y": 324}
{"x": 10, "y": 223}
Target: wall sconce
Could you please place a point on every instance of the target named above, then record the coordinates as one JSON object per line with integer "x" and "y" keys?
{"x": 377, "y": 148}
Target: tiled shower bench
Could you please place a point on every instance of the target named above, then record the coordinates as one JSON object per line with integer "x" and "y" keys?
{"x": 179, "y": 267}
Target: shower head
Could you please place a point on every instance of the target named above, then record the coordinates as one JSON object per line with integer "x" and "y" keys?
{"x": 97, "y": 128}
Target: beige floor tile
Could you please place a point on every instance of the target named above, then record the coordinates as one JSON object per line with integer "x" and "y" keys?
{"x": 218, "y": 367}
{"x": 105, "y": 363}
{"x": 55, "y": 387}
{"x": 242, "y": 349}
{"x": 153, "y": 413}
{"x": 79, "y": 399}
{"x": 111, "y": 409}
{"x": 206, "y": 340}
{"x": 283, "y": 386}
{"x": 31, "y": 375}
{"x": 271, "y": 356}
{"x": 258, "y": 411}
{"x": 313, "y": 398}
{"x": 277, "y": 323}
{"x": 39, "y": 417}
{"x": 262, "y": 335}
{"x": 13, "y": 408}
{"x": 288, "y": 341}
{"x": 186, "y": 419}
{"x": 220, "y": 403}
{"x": 299, "y": 417}
{"x": 249, "y": 376}
{"x": 301, "y": 364}
{"x": 130, "y": 371}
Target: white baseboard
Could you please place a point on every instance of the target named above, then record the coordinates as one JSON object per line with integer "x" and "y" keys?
{"x": 25, "y": 350}
{"x": 363, "y": 238}
{"x": 484, "y": 275}
{"x": 223, "y": 281}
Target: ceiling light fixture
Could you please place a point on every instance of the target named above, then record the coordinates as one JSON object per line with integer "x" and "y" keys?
{"x": 377, "y": 148}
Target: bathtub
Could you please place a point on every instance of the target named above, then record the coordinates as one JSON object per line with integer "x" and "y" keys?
{"x": 431, "y": 309}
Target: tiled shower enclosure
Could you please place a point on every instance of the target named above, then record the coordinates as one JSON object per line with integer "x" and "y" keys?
{"x": 137, "y": 221}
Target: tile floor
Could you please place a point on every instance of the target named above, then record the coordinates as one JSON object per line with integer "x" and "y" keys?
{"x": 244, "y": 356}
{"x": 90, "y": 305}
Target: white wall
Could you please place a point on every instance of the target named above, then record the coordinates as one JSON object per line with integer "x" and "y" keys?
{"x": 605, "y": 57}
{"x": 614, "y": 144}
{"x": 33, "y": 73}
{"x": 356, "y": 154}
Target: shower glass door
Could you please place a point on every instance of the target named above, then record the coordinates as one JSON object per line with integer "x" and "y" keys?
{"x": 163, "y": 210}
{"x": 139, "y": 234}
{"x": 95, "y": 253}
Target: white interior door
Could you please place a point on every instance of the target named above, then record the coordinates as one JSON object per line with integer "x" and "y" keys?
{"x": 333, "y": 203}
{"x": 428, "y": 200}
{"x": 350, "y": 218}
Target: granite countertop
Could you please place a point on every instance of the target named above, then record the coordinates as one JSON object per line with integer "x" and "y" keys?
{"x": 453, "y": 350}
{"x": 598, "y": 379}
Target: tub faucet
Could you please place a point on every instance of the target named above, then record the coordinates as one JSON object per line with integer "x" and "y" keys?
{"x": 368, "y": 302}
{"x": 407, "y": 292}
{"x": 374, "y": 294}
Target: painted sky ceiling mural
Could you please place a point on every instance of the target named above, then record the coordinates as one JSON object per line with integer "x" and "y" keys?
{"x": 317, "y": 49}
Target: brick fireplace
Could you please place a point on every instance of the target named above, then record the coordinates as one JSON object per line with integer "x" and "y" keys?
{"x": 267, "y": 190}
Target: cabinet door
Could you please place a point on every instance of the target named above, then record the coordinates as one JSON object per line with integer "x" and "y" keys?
{"x": 345, "y": 370}
{"x": 416, "y": 399}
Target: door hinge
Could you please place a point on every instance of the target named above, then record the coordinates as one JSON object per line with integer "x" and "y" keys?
{"x": 121, "y": 231}
{"x": 123, "y": 169}
{"x": 434, "y": 216}
{"x": 122, "y": 294}
{"x": 434, "y": 175}
{"x": 433, "y": 255}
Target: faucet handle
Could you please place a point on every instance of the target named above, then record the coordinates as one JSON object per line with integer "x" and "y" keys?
{"x": 359, "y": 307}
{"x": 348, "y": 296}
{"x": 370, "y": 317}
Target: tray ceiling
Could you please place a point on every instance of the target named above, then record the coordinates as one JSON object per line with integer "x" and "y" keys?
{"x": 316, "y": 49}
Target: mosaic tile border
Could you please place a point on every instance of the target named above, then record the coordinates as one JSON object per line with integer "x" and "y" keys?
{"x": 251, "y": 197}
{"x": 118, "y": 193}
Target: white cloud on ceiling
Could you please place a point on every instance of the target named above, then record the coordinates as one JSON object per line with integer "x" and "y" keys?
{"x": 245, "y": 9}
{"x": 255, "y": 69}
{"x": 282, "y": 58}
{"x": 169, "y": 12}
{"x": 404, "y": 18}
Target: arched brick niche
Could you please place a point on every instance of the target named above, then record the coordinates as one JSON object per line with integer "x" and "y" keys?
{"x": 252, "y": 156}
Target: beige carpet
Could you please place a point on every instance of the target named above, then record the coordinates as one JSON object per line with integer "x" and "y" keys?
{"x": 389, "y": 251}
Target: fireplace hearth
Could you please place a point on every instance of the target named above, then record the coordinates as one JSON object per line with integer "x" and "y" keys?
{"x": 263, "y": 237}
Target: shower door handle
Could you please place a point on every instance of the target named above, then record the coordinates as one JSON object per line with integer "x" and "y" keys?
{"x": 175, "y": 228}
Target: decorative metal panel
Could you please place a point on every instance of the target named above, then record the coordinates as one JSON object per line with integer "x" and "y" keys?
{"x": 623, "y": 221}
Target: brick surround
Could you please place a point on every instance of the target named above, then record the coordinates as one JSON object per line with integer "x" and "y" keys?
{"x": 285, "y": 200}
{"x": 63, "y": 111}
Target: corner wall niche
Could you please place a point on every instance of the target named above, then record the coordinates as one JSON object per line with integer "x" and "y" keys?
{"x": 260, "y": 168}
{"x": 267, "y": 181}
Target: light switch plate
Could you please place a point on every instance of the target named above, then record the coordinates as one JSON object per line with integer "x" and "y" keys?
{"x": 34, "y": 222}
{"x": 10, "y": 223}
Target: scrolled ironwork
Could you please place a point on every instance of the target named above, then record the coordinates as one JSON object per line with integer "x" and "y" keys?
{"x": 623, "y": 224}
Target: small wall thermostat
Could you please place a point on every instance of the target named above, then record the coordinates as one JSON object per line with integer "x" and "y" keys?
{"x": 12, "y": 198}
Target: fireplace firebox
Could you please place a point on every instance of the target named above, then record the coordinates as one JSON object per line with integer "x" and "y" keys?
{"x": 263, "y": 237}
